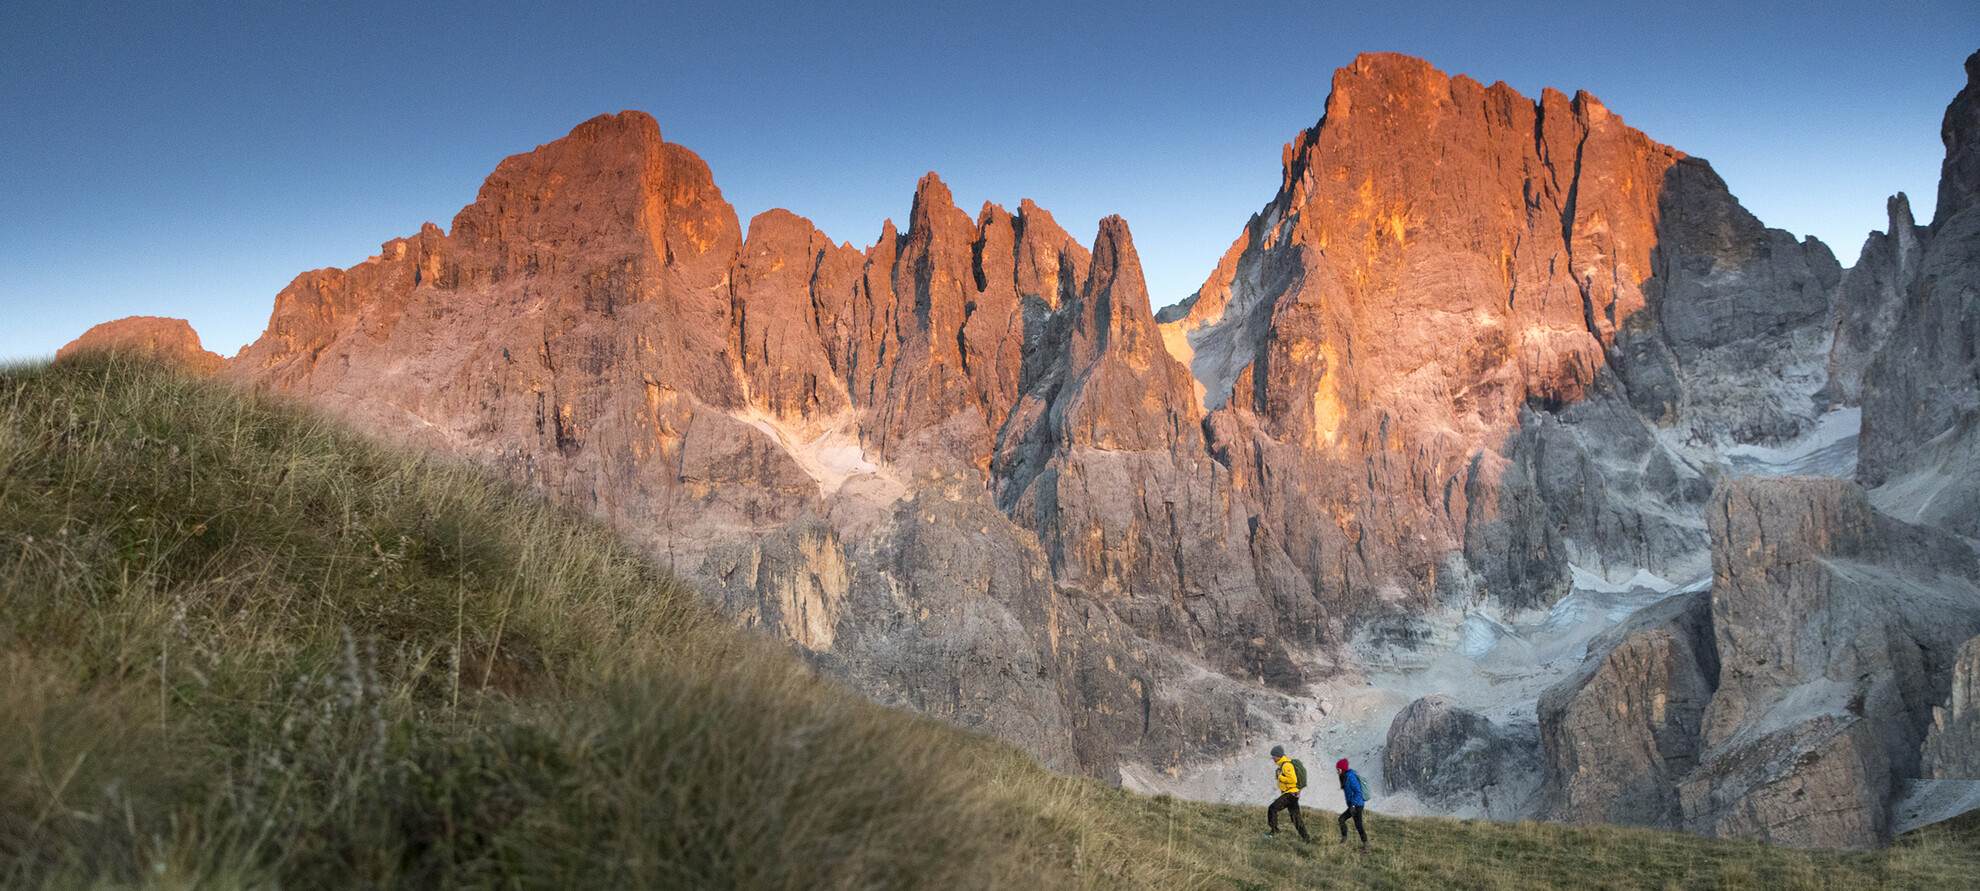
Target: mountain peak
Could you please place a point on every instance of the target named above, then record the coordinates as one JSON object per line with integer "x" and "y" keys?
{"x": 632, "y": 125}
{"x": 1959, "y": 174}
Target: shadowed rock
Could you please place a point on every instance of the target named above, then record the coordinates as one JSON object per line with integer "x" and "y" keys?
{"x": 1452, "y": 757}
{"x": 1836, "y": 629}
{"x": 1921, "y": 392}
{"x": 1952, "y": 742}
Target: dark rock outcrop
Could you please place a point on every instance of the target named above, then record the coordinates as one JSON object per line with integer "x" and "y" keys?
{"x": 1870, "y": 296}
{"x": 1921, "y": 391}
{"x": 1453, "y": 757}
{"x": 1731, "y": 345}
{"x": 1959, "y": 173}
{"x": 1788, "y": 702}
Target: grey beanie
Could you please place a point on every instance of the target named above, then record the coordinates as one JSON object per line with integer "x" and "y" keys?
{"x": 1278, "y": 751}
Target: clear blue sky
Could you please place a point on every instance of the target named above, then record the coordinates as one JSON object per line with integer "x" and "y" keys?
{"x": 188, "y": 158}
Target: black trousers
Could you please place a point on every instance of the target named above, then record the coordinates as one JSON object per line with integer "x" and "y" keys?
{"x": 1353, "y": 810}
{"x": 1289, "y": 802}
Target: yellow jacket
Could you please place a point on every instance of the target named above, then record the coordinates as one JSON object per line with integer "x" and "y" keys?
{"x": 1288, "y": 779}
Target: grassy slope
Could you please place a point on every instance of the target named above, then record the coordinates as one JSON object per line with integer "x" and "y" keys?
{"x": 240, "y": 645}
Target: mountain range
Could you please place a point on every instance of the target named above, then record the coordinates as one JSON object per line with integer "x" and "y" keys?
{"x": 1503, "y": 452}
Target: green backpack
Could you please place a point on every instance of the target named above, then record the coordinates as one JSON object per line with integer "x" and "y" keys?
{"x": 1299, "y": 773}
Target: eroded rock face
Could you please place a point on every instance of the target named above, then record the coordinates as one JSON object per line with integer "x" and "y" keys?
{"x": 1374, "y": 333}
{"x": 1787, "y": 701}
{"x": 1952, "y": 742}
{"x": 1444, "y": 257}
{"x": 170, "y": 340}
{"x": 1836, "y": 628}
{"x": 1959, "y": 174}
{"x": 1870, "y": 297}
{"x": 1819, "y": 783}
{"x": 1620, "y": 733}
{"x": 1105, "y": 459}
{"x": 1589, "y": 484}
{"x": 1732, "y": 343}
{"x": 789, "y": 422}
{"x": 1835, "y": 614}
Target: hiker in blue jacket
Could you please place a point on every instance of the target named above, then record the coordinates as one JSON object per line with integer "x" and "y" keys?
{"x": 1288, "y": 776}
{"x": 1356, "y": 799}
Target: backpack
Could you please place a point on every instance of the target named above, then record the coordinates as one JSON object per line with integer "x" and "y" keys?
{"x": 1352, "y": 790}
{"x": 1299, "y": 773}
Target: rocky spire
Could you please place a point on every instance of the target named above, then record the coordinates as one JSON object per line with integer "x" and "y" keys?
{"x": 1959, "y": 174}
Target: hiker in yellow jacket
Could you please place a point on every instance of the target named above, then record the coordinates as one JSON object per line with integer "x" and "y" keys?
{"x": 1288, "y": 776}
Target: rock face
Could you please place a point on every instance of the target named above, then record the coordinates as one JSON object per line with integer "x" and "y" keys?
{"x": 1952, "y": 742}
{"x": 1828, "y": 669}
{"x": 1959, "y": 174}
{"x": 1921, "y": 391}
{"x": 1621, "y": 732}
{"x": 914, "y": 461}
{"x": 1377, "y": 328}
{"x": 1836, "y": 629}
{"x": 1476, "y": 348}
{"x": 171, "y": 340}
{"x": 1452, "y": 756}
{"x": 1447, "y": 269}
{"x": 1791, "y": 707}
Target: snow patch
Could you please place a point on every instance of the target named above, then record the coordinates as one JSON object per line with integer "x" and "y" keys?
{"x": 1591, "y": 581}
{"x": 847, "y": 459}
{"x": 1827, "y": 449}
{"x": 830, "y": 458}
{"x": 1481, "y": 636}
{"x": 1924, "y": 802}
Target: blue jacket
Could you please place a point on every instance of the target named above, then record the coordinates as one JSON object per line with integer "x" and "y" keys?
{"x": 1351, "y": 787}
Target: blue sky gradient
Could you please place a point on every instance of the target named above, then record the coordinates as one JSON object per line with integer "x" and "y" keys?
{"x": 189, "y": 158}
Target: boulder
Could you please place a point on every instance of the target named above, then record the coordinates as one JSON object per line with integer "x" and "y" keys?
{"x": 1453, "y": 757}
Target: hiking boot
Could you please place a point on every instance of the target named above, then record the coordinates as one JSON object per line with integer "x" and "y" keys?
{"x": 1364, "y": 849}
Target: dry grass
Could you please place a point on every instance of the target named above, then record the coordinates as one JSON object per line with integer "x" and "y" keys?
{"x": 243, "y": 647}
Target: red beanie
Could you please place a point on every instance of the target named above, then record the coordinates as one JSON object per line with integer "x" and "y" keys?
{"x": 1341, "y": 764}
